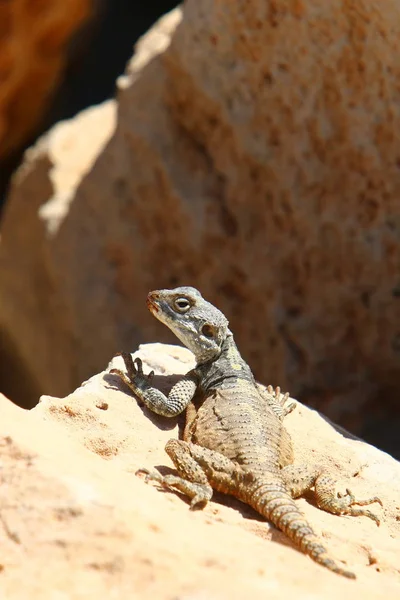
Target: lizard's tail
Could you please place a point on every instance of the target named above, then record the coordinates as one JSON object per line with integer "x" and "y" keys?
{"x": 271, "y": 499}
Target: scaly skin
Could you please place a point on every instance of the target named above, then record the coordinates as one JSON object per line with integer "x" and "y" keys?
{"x": 234, "y": 440}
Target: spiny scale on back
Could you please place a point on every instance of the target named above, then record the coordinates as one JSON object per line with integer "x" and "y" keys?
{"x": 234, "y": 440}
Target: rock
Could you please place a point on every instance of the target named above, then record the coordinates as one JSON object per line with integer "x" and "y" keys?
{"x": 77, "y": 522}
{"x": 44, "y": 361}
{"x": 253, "y": 157}
{"x": 33, "y": 52}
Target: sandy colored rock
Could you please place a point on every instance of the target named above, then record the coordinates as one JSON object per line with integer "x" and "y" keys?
{"x": 254, "y": 157}
{"x": 23, "y": 375}
{"x": 76, "y": 521}
{"x": 33, "y": 39}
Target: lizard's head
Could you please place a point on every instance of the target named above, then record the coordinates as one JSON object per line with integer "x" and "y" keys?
{"x": 196, "y": 322}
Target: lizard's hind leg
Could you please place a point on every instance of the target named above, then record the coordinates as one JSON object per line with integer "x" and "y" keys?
{"x": 197, "y": 467}
{"x": 299, "y": 479}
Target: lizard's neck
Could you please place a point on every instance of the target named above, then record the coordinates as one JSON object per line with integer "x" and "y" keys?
{"x": 232, "y": 360}
{"x": 226, "y": 368}
{"x": 229, "y": 351}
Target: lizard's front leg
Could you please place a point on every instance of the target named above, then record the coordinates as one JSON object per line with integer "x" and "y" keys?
{"x": 301, "y": 478}
{"x": 168, "y": 406}
{"x": 198, "y": 468}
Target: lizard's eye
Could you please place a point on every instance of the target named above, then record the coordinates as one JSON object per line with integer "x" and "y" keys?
{"x": 207, "y": 331}
{"x": 182, "y": 304}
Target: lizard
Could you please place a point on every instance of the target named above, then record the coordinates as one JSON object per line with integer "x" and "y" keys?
{"x": 234, "y": 440}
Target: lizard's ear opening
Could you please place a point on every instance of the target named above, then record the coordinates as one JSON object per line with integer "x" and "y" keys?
{"x": 212, "y": 337}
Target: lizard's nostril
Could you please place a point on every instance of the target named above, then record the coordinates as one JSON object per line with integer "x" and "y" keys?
{"x": 153, "y": 295}
{"x": 151, "y": 302}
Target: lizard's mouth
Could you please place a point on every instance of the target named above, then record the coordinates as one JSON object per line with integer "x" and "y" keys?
{"x": 152, "y": 303}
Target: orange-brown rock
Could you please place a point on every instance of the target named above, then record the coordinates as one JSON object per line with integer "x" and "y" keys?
{"x": 255, "y": 156}
{"x": 75, "y": 521}
{"x": 33, "y": 40}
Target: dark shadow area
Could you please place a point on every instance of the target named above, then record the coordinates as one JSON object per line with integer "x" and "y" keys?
{"x": 91, "y": 72}
{"x": 7, "y": 167}
{"x": 97, "y": 55}
{"x": 375, "y": 428}
{"x": 338, "y": 428}
{"x": 16, "y": 383}
{"x": 384, "y": 434}
{"x": 379, "y": 432}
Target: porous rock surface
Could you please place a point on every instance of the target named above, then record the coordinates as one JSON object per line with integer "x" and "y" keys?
{"x": 33, "y": 51}
{"x": 255, "y": 156}
{"x": 76, "y": 522}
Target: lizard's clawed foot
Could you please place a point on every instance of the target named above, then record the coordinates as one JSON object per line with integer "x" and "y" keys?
{"x": 134, "y": 368}
{"x": 346, "y": 505}
{"x": 198, "y": 493}
{"x": 124, "y": 377}
{"x": 281, "y": 400}
{"x": 150, "y": 475}
{"x": 134, "y": 376}
{"x": 137, "y": 370}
